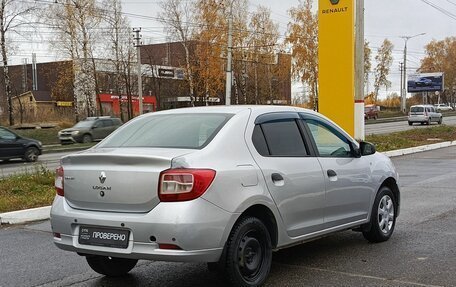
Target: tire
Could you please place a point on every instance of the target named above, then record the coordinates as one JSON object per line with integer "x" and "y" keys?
{"x": 111, "y": 266}
{"x": 410, "y": 123}
{"x": 428, "y": 122}
{"x": 248, "y": 253}
{"x": 384, "y": 209}
{"x": 440, "y": 121}
{"x": 31, "y": 154}
{"x": 86, "y": 138}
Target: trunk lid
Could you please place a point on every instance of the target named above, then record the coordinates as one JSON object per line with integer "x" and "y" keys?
{"x": 116, "y": 179}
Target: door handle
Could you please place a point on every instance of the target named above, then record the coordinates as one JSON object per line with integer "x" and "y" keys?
{"x": 331, "y": 173}
{"x": 276, "y": 177}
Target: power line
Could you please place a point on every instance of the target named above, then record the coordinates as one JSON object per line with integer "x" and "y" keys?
{"x": 442, "y": 10}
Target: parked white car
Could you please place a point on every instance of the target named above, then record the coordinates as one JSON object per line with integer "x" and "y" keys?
{"x": 443, "y": 107}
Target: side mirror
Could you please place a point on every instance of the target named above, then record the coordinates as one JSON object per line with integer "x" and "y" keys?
{"x": 366, "y": 148}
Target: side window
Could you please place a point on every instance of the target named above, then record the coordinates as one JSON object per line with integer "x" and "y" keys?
{"x": 281, "y": 138}
{"x": 259, "y": 141}
{"x": 329, "y": 142}
{"x": 105, "y": 123}
{"x": 6, "y": 135}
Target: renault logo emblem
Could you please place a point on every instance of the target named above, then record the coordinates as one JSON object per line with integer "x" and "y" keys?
{"x": 102, "y": 177}
{"x": 334, "y": 2}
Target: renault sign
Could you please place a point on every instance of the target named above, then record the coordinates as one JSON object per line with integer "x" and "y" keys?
{"x": 425, "y": 82}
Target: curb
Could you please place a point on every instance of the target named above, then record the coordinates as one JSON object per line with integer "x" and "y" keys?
{"x": 42, "y": 213}
{"x": 27, "y": 215}
{"x": 411, "y": 150}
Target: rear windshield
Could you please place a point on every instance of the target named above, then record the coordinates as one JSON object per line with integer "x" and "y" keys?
{"x": 417, "y": 109}
{"x": 169, "y": 131}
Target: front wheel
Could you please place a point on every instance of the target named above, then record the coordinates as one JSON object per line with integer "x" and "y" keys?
{"x": 410, "y": 123}
{"x": 248, "y": 253}
{"x": 440, "y": 121}
{"x": 383, "y": 217}
{"x": 86, "y": 138}
{"x": 31, "y": 154}
{"x": 111, "y": 266}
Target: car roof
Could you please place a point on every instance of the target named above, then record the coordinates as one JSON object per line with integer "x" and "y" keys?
{"x": 235, "y": 109}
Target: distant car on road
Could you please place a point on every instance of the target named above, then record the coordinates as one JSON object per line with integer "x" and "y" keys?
{"x": 14, "y": 146}
{"x": 90, "y": 129}
{"x": 423, "y": 82}
{"x": 223, "y": 185}
{"x": 370, "y": 113}
{"x": 443, "y": 107}
{"x": 424, "y": 114}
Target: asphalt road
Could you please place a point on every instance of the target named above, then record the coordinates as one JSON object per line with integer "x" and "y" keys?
{"x": 49, "y": 161}
{"x": 421, "y": 252}
{"x": 384, "y": 128}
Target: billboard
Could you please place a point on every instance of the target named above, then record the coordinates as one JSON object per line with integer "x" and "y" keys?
{"x": 425, "y": 82}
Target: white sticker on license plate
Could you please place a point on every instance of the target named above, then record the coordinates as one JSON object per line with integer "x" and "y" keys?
{"x": 99, "y": 236}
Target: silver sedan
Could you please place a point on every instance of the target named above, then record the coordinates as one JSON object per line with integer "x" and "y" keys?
{"x": 223, "y": 185}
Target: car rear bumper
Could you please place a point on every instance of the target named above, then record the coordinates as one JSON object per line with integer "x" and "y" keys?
{"x": 198, "y": 227}
{"x": 418, "y": 118}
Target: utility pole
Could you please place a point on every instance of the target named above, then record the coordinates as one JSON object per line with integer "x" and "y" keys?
{"x": 359, "y": 70}
{"x": 137, "y": 37}
{"x": 229, "y": 72}
{"x": 404, "y": 78}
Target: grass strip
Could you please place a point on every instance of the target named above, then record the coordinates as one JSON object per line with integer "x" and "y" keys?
{"x": 27, "y": 190}
{"x": 413, "y": 138}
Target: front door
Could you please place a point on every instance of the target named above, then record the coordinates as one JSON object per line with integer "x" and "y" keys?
{"x": 10, "y": 147}
{"x": 348, "y": 178}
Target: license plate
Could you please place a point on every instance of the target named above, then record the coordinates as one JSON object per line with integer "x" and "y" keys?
{"x": 101, "y": 236}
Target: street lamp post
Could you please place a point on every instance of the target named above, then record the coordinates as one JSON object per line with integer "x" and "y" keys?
{"x": 404, "y": 75}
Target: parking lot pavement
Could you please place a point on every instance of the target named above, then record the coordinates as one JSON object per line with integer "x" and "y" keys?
{"x": 421, "y": 252}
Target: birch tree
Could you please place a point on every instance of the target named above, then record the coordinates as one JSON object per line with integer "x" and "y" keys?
{"x": 76, "y": 22}
{"x": 302, "y": 36}
{"x": 384, "y": 60}
{"x": 13, "y": 16}
{"x": 177, "y": 16}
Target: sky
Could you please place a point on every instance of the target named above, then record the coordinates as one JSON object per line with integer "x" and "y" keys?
{"x": 383, "y": 19}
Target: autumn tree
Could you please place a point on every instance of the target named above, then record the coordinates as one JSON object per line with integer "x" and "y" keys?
{"x": 302, "y": 36}
{"x": 367, "y": 61}
{"x": 13, "y": 16}
{"x": 384, "y": 60}
{"x": 209, "y": 37}
{"x": 76, "y": 22}
{"x": 262, "y": 43}
{"x": 120, "y": 51}
{"x": 441, "y": 57}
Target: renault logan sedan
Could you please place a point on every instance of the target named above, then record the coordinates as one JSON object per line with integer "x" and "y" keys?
{"x": 223, "y": 185}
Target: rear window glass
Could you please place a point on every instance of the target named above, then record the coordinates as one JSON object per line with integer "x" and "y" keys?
{"x": 169, "y": 131}
{"x": 417, "y": 109}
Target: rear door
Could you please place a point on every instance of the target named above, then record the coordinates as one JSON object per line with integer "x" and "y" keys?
{"x": 348, "y": 178}
{"x": 294, "y": 178}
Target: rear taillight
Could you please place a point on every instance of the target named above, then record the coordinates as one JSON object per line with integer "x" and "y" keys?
{"x": 184, "y": 184}
{"x": 59, "y": 181}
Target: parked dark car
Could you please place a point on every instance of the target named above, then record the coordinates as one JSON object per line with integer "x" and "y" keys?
{"x": 90, "y": 129}
{"x": 13, "y": 146}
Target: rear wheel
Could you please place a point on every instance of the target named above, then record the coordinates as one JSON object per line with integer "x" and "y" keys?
{"x": 31, "y": 154}
{"x": 383, "y": 217}
{"x": 111, "y": 266}
{"x": 248, "y": 253}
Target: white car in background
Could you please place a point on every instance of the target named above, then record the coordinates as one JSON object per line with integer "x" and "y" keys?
{"x": 443, "y": 107}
